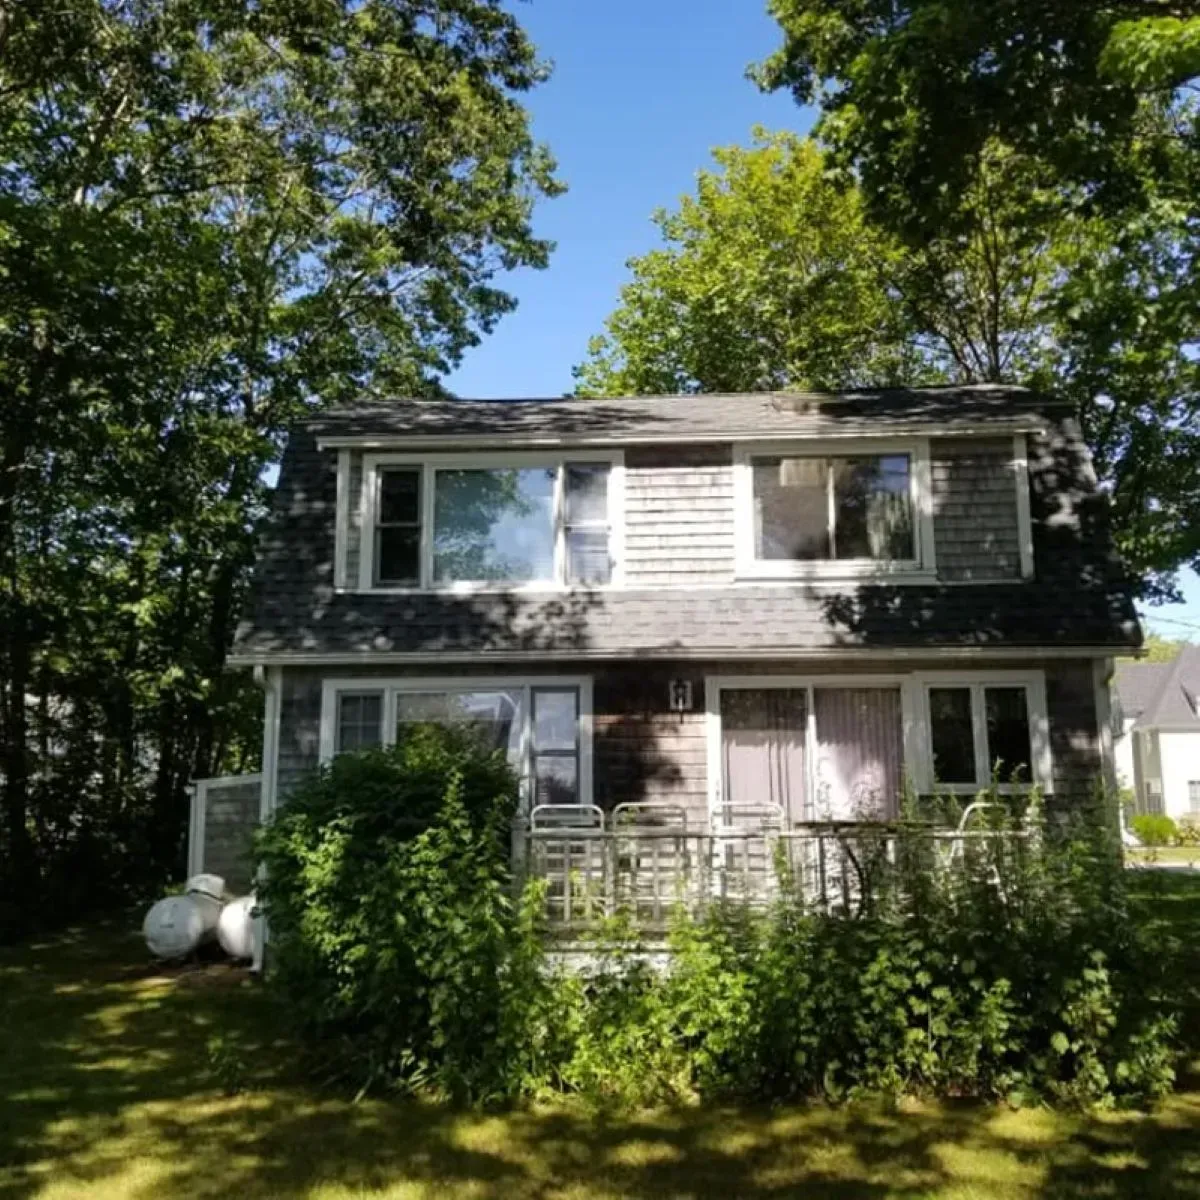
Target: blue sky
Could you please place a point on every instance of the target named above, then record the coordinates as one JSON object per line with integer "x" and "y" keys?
{"x": 640, "y": 94}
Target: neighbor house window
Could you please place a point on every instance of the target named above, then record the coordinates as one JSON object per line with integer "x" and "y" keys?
{"x": 802, "y": 513}
{"x": 1194, "y": 797}
{"x": 984, "y": 731}
{"x": 539, "y": 521}
{"x": 539, "y": 725}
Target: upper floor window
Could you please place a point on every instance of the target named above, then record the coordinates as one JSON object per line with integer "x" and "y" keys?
{"x": 833, "y": 512}
{"x": 529, "y": 521}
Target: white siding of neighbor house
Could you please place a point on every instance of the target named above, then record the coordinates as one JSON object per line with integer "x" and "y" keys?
{"x": 1179, "y": 758}
{"x": 1123, "y": 755}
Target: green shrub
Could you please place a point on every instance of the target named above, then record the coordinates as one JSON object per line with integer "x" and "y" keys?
{"x": 1154, "y": 829}
{"x": 1015, "y": 972}
{"x": 1188, "y": 832}
{"x": 394, "y": 936}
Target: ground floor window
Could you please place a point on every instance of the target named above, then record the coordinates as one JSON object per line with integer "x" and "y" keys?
{"x": 542, "y": 725}
{"x": 816, "y": 753}
{"x": 843, "y": 749}
{"x": 980, "y": 731}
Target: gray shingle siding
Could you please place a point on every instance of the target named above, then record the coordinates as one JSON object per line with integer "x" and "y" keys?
{"x": 643, "y": 751}
{"x": 1074, "y": 731}
{"x": 230, "y": 818}
{"x": 678, "y": 515}
{"x": 975, "y": 523}
{"x": 1079, "y": 596}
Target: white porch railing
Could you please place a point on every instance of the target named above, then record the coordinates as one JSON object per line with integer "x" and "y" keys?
{"x": 645, "y": 860}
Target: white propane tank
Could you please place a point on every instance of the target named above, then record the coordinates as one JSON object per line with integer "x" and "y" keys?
{"x": 174, "y": 927}
{"x": 236, "y": 928}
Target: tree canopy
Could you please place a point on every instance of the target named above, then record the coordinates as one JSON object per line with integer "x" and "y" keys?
{"x": 912, "y": 93}
{"x": 214, "y": 215}
{"x": 772, "y": 275}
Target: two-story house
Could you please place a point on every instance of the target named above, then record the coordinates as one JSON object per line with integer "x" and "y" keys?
{"x": 726, "y": 601}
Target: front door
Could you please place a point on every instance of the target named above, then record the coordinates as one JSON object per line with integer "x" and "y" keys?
{"x": 763, "y": 762}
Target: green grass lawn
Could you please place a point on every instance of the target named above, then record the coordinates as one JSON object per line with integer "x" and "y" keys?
{"x": 1176, "y": 856}
{"x": 114, "y": 1073}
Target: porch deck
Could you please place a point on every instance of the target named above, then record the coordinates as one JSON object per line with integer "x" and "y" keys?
{"x": 646, "y": 861}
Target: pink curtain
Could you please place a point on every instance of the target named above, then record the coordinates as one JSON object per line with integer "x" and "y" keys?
{"x": 860, "y": 753}
{"x": 763, "y": 731}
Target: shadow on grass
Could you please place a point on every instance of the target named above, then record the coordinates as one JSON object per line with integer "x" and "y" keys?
{"x": 111, "y": 1084}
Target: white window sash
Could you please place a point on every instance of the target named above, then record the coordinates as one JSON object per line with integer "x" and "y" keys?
{"x": 332, "y": 689}
{"x": 749, "y": 566}
{"x": 429, "y": 465}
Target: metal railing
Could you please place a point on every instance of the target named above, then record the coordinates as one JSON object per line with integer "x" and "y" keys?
{"x": 645, "y": 860}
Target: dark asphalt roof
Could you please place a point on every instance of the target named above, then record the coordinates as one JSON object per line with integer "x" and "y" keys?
{"x": 679, "y": 418}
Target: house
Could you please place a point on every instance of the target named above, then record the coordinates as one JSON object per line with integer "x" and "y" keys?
{"x": 1157, "y": 716}
{"x": 722, "y": 606}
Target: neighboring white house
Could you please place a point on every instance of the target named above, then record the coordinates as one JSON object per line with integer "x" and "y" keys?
{"x": 1157, "y": 718}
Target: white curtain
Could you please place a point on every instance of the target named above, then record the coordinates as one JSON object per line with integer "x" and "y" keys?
{"x": 763, "y": 732}
{"x": 860, "y": 753}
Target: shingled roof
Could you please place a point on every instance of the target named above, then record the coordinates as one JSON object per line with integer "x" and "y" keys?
{"x": 1162, "y": 695}
{"x": 1080, "y": 597}
{"x": 633, "y": 419}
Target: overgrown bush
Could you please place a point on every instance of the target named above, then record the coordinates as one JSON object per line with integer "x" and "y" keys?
{"x": 1155, "y": 829}
{"x": 393, "y": 932}
{"x": 1009, "y": 968}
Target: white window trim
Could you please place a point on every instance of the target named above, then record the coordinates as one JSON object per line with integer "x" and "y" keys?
{"x": 920, "y": 569}
{"x": 341, "y": 529}
{"x": 1034, "y": 683}
{"x": 1024, "y": 516}
{"x": 429, "y": 465}
{"x": 391, "y": 687}
{"x": 914, "y": 714}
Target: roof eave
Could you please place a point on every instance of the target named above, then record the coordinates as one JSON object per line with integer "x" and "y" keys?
{"x": 252, "y": 658}
{"x": 491, "y": 441}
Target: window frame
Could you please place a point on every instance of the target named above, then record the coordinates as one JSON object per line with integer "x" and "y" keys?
{"x": 429, "y": 464}
{"x": 1193, "y": 797}
{"x": 914, "y": 714}
{"x": 715, "y": 684}
{"x": 749, "y": 566}
{"x": 392, "y": 686}
{"x": 1034, "y": 683}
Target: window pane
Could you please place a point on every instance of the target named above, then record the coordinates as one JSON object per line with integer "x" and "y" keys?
{"x": 556, "y": 780}
{"x": 497, "y": 716}
{"x": 952, "y": 735}
{"x": 494, "y": 525}
{"x": 791, "y": 508}
{"x": 860, "y": 753}
{"x": 360, "y": 717}
{"x": 555, "y": 719}
{"x": 399, "y": 497}
{"x": 873, "y": 507}
{"x": 1008, "y": 733}
{"x": 399, "y": 554}
{"x": 587, "y": 492}
{"x": 588, "y": 560}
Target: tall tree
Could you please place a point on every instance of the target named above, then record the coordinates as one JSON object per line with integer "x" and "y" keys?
{"x": 769, "y": 277}
{"x": 912, "y": 92}
{"x": 214, "y": 214}
{"x": 772, "y": 277}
